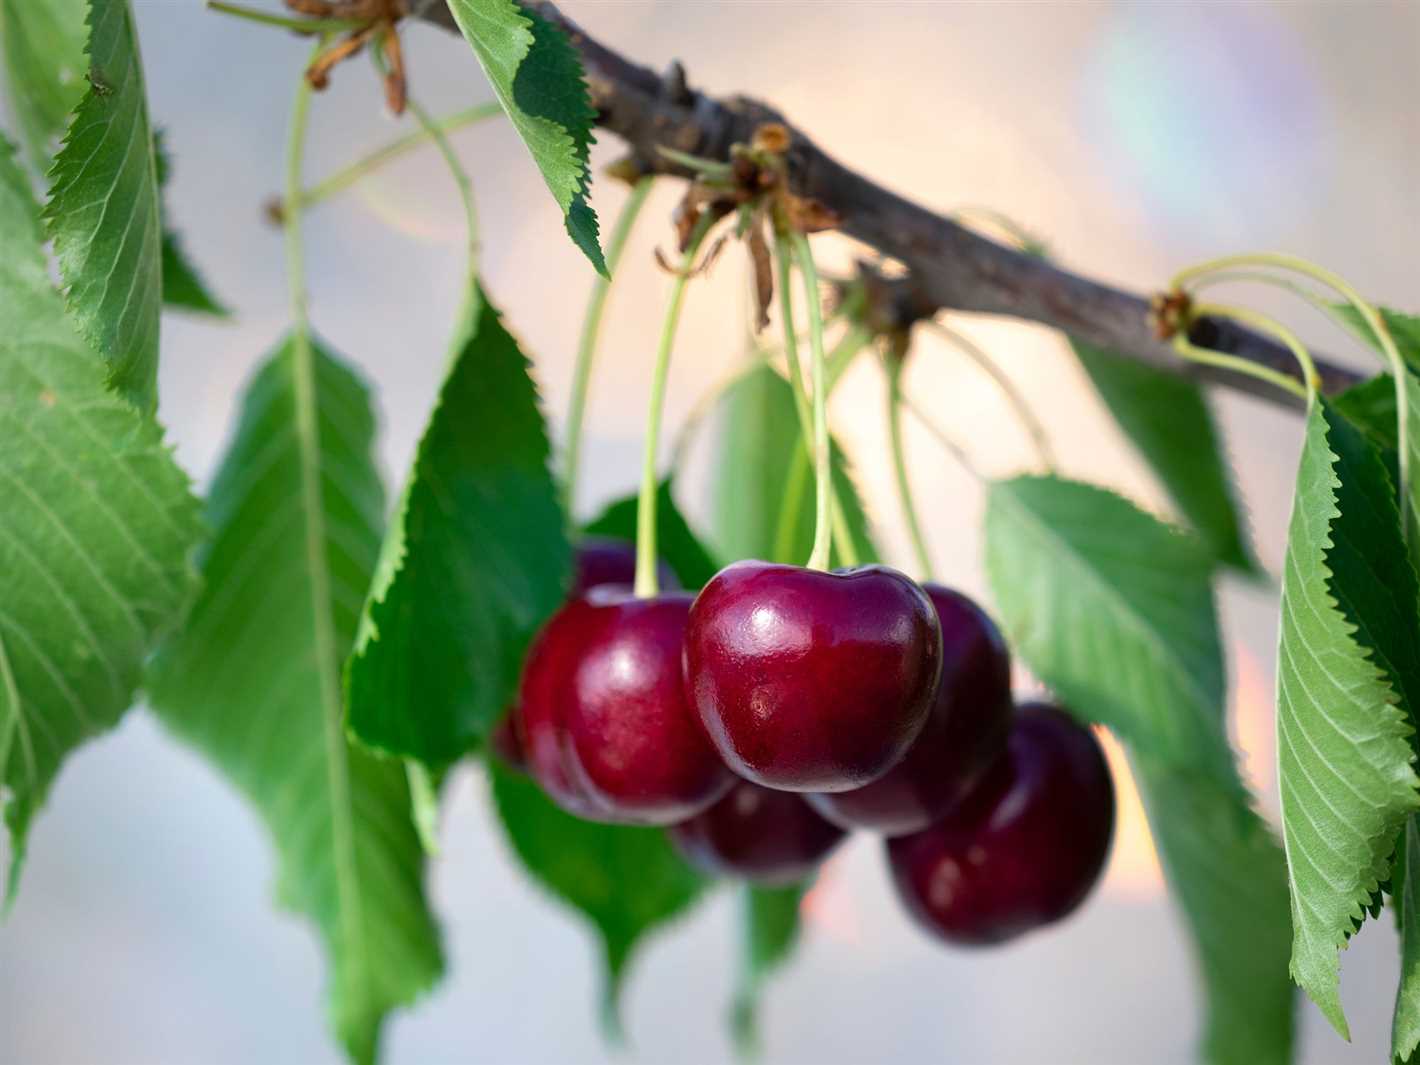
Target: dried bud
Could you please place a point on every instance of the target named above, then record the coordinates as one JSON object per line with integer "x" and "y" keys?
{"x": 772, "y": 137}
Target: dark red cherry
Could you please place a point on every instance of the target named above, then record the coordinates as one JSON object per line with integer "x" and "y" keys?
{"x": 812, "y": 681}
{"x": 600, "y": 560}
{"x": 507, "y": 743}
{"x": 965, "y": 732}
{"x": 770, "y": 837}
{"x": 1024, "y": 848}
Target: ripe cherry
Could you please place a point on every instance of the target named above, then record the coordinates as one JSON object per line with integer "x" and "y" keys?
{"x": 600, "y": 560}
{"x": 965, "y": 732}
{"x": 770, "y": 837}
{"x": 1024, "y": 848}
{"x": 631, "y": 748}
{"x": 812, "y": 681}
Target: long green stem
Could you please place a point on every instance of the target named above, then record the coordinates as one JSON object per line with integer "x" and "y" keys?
{"x": 1188, "y": 350}
{"x": 1025, "y": 415}
{"x": 894, "y": 366}
{"x": 587, "y": 345}
{"x": 646, "y": 583}
{"x": 349, "y": 175}
{"x": 283, "y": 22}
{"x": 819, "y": 557}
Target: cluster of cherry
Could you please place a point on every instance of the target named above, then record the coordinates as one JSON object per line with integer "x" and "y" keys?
{"x": 783, "y": 706}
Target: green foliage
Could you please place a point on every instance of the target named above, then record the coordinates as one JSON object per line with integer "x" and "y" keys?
{"x": 103, "y": 211}
{"x": 537, "y": 76}
{"x": 770, "y": 932}
{"x": 253, "y": 681}
{"x": 676, "y": 543}
{"x": 1346, "y": 647}
{"x": 1114, "y": 610}
{"x": 97, "y": 528}
{"x": 183, "y": 287}
{"x": 1405, "y": 887}
{"x": 625, "y": 881}
{"x": 764, "y": 487}
{"x": 1167, "y": 418}
{"x": 43, "y": 47}
{"x": 476, "y": 559}
{"x": 1404, "y": 330}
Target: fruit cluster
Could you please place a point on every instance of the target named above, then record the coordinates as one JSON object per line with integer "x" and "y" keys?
{"x": 764, "y": 718}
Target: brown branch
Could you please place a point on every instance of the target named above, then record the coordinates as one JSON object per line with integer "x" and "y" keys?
{"x": 949, "y": 266}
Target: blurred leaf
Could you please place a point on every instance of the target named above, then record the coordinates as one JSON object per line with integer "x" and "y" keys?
{"x": 1404, "y": 330}
{"x": 625, "y": 881}
{"x": 183, "y": 287}
{"x": 1167, "y": 419}
{"x": 43, "y": 43}
{"x": 476, "y": 559}
{"x": 764, "y": 485}
{"x": 770, "y": 933}
{"x": 103, "y": 211}
{"x": 676, "y": 543}
{"x": 1405, "y": 885}
{"x": 253, "y": 681}
{"x": 537, "y": 76}
{"x": 1347, "y": 653}
{"x": 97, "y": 528}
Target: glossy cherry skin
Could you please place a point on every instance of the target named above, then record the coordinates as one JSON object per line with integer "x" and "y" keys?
{"x": 965, "y": 732}
{"x": 601, "y": 560}
{"x": 812, "y": 681}
{"x": 770, "y": 837}
{"x": 633, "y": 750}
{"x": 1024, "y": 848}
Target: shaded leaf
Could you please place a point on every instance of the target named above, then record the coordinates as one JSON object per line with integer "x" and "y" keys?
{"x": 537, "y": 76}
{"x": 1345, "y": 655}
{"x": 183, "y": 287}
{"x": 43, "y": 42}
{"x": 1405, "y": 884}
{"x": 253, "y": 681}
{"x": 676, "y": 543}
{"x": 625, "y": 881}
{"x": 103, "y": 211}
{"x": 97, "y": 528}
{"x": 769, "y": 934}
{"x": 476, "y": 560}
{"x": 1167, "y": 419}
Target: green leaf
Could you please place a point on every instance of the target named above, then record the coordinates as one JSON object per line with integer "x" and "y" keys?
{"x": 253, "y": 681}
{"x": 103, "y": 210}
{"x": 183, "y": 287}
{"x": 1345, "y": 656}
{"x": 537, "y": 76}
{"x": 676, "y": 543}
{"x": 770, "y": 933}
{"x": 625, "y": 881}
{"x": 43, "y": 43}
{"x": 1113, "y": 609}
{"x": 1167, "y": 419}
{"x": 476, "y": 559}
{"x": 1404, "y": 330}
{"x": 1405, "y": 884}
{"x": 97, "y": 528}
{"x": 1226, "y": 871}
{"x": 763, "y": 487}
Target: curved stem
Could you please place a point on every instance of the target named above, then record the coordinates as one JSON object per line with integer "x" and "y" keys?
{"x": 1265, "y": 324}
{"x": 848, "y": 348}
{"x": 349, "y": 175}
{"x": 893, "y": 365}
{"x": 295, "y": 248}
{"x": 646, "y": 583}
{"x": 284, "y": 22}
{"x": 1018, "y": 233}
{"x": 823, "y": 523}
{"x": 587, "y": 345}
{"x": 1025, "y": 415}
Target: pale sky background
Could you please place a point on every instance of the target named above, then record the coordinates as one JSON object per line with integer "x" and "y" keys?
{"x": 1136, "y": 138}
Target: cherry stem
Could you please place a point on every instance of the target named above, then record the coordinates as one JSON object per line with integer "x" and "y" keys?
{"x": 819, "y": 557}
{"x": 1362, "y": 306}
{"x": 295, "y": 249}
{"x": 647, "y": 584}
{"x": 350, "y": 175}
{"x": 587, "y": 345}
{"x": 1023, "y": 411}
{"x": 284, "y": 22}
{"x": 894, "y": 366}
{"x": 1190, "y": 351}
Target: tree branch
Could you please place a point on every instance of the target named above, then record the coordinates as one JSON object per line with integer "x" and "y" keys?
{"x": 949, "y": 266}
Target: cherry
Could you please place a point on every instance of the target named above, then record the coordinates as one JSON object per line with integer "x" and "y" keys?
{"x": 965, "y": 732}
{"x": 812, "y": 681}
{"x": 600, "y": 560}
{"x": 771, "y": 837}
{"x": 631, "y": 750}
{"x": 1024, "y": 848}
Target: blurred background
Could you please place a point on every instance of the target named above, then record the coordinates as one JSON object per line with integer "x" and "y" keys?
{"x": 1134, "y": 138}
